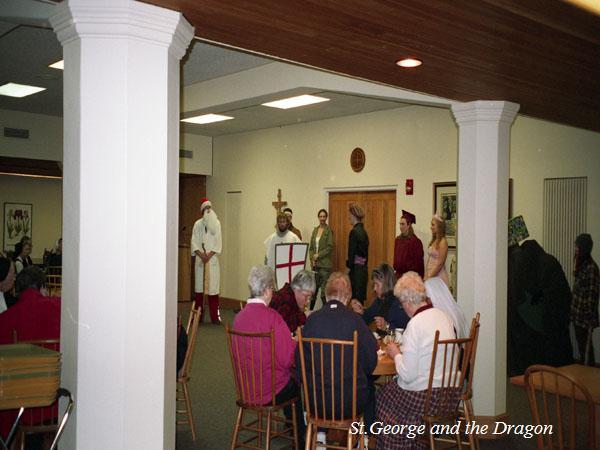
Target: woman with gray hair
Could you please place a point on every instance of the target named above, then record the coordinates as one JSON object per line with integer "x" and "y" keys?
{"x": 291, "y": 300}
{"x": 403, "y": 402}
{"x": 257, "y": 317}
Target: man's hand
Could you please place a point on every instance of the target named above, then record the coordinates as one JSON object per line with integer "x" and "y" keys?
{"x": 380, "y": 323}
{"x": 357, "y": 307}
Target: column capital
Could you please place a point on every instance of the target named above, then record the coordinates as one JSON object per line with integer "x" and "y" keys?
{"x": 485, "y": 111}
{"x": 76, "y": 19}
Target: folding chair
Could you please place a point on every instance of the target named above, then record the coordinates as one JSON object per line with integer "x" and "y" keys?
{"x": 325, "y": 409}
{"x": 252, "y": 371}
{"x": 183, "y": 378}
{"x": 552, "y": 387}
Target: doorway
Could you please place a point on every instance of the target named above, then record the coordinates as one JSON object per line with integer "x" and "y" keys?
{"x": 380, "y": 224}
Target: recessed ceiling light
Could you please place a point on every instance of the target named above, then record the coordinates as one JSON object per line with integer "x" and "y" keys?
{"x": 19, "y": 90}
{"x": 294, "y": 102}
{"x": 206, "y": 118}
{"x": 58, "y": 65}
{"x": 409, "y": 62}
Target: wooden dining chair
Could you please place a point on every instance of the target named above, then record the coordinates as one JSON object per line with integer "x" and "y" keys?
{"x": 190, "y": 318}
{"x": 43, "y": 420}
{"x": 183, "y": 377}
{"x": 54, "y": 281}
{"x": 442, "y": 402}
{"x": 252, "y": 372}
{"x": 553, "y": 396}
{"x": 466, "y": 407}
{"x": 326, "y": 386}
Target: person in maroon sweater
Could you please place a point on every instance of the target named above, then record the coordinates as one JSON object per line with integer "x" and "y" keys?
{"x": 408, "y": 248}
{"x": 33, "y": 317}
{"x": 290, "y": 301}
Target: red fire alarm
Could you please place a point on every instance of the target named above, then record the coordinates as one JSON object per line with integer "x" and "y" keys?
{"x": 409, "y": 187}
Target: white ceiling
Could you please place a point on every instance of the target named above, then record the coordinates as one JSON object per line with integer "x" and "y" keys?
{"x": 28, "y": 46}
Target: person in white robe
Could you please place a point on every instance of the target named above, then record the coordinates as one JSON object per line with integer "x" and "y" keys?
{"x": 282, "y": 235}
{"x": 206, "y": 246}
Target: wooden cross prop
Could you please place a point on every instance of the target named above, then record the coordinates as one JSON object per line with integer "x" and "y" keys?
{"x": 278, "y": 204}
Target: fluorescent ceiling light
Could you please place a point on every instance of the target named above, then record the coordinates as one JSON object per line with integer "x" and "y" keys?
{"x": 19, "y": 90}
{"x": 409, "y": 62}
{"x": 207, "y": 118}
{"x": 58, "y": 65}
{"x": 294, "y": 102}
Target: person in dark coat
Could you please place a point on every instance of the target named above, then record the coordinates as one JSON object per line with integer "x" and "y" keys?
{"x": 358, "y": 253}
{"x": 385, "y": 310}
{"x": 539, "y": 303}
{"x": 336, "y": 321}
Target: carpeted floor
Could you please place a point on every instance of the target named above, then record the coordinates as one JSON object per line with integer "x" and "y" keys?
{"x": 213, "y": 397}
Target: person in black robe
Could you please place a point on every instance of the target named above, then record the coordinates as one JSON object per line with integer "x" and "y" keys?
{"x": 358, "y": 254}
{"x": 539, "y": 302}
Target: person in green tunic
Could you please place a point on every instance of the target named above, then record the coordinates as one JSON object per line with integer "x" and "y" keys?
{"x": 320, "y": 253}
{"x": 358, "y": 253}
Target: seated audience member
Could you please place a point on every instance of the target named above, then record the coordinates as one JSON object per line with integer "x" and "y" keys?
{"x": 290, "y": 301}
{"x": 335, "y": 321}
{"x": 385, "y": 309}
{"x": 257, "y": 317}
{"x": 182, "y": 345}
{"x": 55, "y": 258}
{"x": 441, "y": 298}
{"x": 21, "y": 256}
{"x": 7, "y": 281}
{"x": 34, "y": 316}
{"x": 402, "y": 402}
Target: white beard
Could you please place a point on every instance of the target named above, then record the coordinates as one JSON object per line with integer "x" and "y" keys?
{"x": 211, "y": 221}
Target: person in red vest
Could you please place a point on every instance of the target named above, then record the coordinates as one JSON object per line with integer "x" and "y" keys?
{"x": 408, "y": 248}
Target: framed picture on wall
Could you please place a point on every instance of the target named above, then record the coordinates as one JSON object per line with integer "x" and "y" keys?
{"x": 18, "y": 218}
{"x": 445, "y": 205}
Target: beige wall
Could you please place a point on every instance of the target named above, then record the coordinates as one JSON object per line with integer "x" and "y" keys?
{"x": 46, "y": 197}
{"x": 306, "y": 160}
{"x": 45, "y": 136}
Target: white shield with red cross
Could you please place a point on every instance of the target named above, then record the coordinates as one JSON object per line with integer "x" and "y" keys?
{"x": 289, "y": 260}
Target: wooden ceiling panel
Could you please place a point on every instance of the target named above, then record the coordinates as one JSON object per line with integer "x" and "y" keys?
{"x": 543, "y": 55}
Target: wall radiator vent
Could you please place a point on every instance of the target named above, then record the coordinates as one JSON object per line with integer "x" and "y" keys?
{"x": 565, "y": 217}
{"x": 189, "y": 154}
{"x": 16, "y": 133}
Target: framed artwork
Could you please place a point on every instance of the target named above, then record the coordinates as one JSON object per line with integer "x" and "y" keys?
{"x": 17, "y": 223}
{"x": 445, "y": 205}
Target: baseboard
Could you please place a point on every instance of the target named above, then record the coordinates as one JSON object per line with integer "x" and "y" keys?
{"x": 490, "y": 421}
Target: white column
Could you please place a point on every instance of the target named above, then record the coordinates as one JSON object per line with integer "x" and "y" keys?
{"x": 483, "y": 168}
{"x": 120, "y": 212}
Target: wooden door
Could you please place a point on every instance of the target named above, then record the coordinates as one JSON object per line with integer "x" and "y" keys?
{"x": 379, "y": 221}
{"x": 191, "y": 189}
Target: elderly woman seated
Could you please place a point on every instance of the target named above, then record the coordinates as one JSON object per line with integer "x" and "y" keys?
{"x": 290, "y": 301}
{"x": 402, "y": 402}
{"x": 385, "y": 310}
{"x": 257, "y": 317}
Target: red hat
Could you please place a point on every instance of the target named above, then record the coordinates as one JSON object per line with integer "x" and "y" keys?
{"x": 410, "y": 217}
{"x": 204, "y": 203}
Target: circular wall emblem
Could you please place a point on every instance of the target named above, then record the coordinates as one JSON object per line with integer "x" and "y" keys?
{"x": 357, "y": 159}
